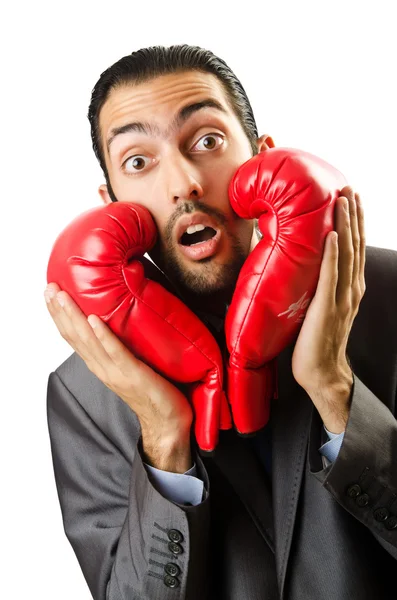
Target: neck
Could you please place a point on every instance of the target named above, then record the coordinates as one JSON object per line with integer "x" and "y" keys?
{"x": 216, "y": 304}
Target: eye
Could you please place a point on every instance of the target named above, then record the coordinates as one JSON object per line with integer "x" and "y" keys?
{"x": 212, "y": 138}
{"x": 134, "y": 164}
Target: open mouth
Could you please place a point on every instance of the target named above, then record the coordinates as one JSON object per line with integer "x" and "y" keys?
{"x": 199, "y": 242}
{"x": 197, "y": 234}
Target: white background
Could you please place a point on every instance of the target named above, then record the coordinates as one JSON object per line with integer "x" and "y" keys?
{"x": 320, "y": 76}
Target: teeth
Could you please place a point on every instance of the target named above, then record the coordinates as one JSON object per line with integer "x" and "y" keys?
{"x": 194, "y": 228}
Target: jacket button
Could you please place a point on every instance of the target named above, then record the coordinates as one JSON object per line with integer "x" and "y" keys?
{"x": 391, "y": 522}
{"x": 381, "y": 513}
{"x": 175, "y": 536}
{"x": 171, "y": 582}
{"x": 172, "y": 569}
{"x": 175, "y": 548}
{"x": 353, "y": 491}
{"x": 362, "y": 500}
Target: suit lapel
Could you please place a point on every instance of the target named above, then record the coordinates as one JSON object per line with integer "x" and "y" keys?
{"x": 273, "y": 511}
{"x": 290, "y": 416}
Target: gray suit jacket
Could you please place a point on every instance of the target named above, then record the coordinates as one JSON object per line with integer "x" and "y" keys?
{"x": 314, "y": 532}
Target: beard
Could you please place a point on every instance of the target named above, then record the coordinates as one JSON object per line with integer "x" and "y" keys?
{"x": 206, "y": 277}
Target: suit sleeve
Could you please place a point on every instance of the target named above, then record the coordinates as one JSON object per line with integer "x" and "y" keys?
{"x": 363, "y": 478}
{"x": 130, "y": 541}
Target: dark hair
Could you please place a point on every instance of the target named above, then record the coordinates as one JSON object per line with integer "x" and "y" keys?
{"x": 148, "y": 63}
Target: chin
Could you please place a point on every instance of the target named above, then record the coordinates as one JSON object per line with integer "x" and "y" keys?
{"x": 204, "y": 277}
{"x": 207, "y": 277}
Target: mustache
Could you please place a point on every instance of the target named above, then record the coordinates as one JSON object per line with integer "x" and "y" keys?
{"x": 189, "y": 207}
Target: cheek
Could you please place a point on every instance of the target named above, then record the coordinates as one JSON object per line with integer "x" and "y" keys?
{"x": 216, "y": 192}
{"x": 139, "y": 195}
{"x": 159, "y": 218}
{"x": 244, "y": 230}
{"x": 218, "y": 185}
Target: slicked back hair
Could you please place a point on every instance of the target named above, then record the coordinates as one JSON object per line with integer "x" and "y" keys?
{"x": 146, "y": 64}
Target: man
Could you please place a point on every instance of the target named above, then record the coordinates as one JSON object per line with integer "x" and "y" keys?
{"x": 307, "y": 509}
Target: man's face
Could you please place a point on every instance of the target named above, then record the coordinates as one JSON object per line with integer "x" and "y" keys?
{"x": 180, "y": 169}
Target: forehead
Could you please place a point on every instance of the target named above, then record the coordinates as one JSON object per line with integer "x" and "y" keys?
{"x": 159, "y": 99}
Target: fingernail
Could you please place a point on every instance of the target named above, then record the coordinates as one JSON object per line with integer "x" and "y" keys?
{"x": 60, "y": 300}
{"x": 92, "y": 321}
{"x": 48, "y": 294}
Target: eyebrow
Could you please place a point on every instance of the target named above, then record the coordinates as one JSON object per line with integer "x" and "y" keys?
{"x": 153, "y": 130}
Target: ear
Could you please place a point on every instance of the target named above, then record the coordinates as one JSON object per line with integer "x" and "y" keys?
{"x": 104, "y": 194}
{"x": 265, "y": 142}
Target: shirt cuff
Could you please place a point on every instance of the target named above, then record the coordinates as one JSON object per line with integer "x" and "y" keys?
{"x": 182, "y": 488}
{"x": 331, "y": 448}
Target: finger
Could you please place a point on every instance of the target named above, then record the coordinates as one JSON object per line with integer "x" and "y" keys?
{"x": 355, "y": 235}
{"x": 346, "y": 253}
{"x": 347, "y": 192}
{"x": 61, "y": 319}
{"x": 115, "y": 349}
{"x": 54, "y": 307}
{"x": 74, "y": 328}
{"x": 361, "y": 229}
{"x": 328, "y": 278}
{"x": 84, "y": 337}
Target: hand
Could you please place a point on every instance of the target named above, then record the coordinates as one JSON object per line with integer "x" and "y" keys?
{"x": 319, "y": 361}
{"x": 164, "y": 413}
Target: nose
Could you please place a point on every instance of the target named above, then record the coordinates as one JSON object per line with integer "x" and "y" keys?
{"x": 182, "y": 180}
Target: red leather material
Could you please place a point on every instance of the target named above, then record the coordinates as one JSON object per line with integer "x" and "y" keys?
{"x": 293, "y": 195}
{"x": 98, "y": 260}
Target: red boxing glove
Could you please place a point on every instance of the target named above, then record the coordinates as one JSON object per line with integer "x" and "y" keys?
{"x": 293, "y": 194}
{"x": 98, "y": 260}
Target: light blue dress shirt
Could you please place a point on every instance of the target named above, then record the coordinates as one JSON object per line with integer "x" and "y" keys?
{"x": 184, "y": 488}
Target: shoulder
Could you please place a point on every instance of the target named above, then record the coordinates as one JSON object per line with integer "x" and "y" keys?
{"x": 380, "y": 297}
{"x": 381, "y": 267}
{"x": 102, "y": 406}
{"x": 372, "y": 346}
